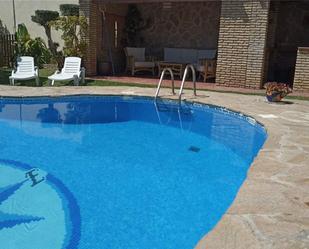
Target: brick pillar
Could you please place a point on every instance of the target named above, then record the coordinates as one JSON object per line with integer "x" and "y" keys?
{"x": 88, "y": 8}
{"x": 242, "y": 42}
{"x": 301, "y": 78}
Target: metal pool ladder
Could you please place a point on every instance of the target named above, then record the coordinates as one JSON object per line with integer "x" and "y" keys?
{"x": 190, "y": 66}
{"x": 184, "y": 80}
{"x": 161, "y": 79}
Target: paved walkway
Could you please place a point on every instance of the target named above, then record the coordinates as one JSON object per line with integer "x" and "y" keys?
{"x": 200, "y": 85}
{"x": 271, "y": 209}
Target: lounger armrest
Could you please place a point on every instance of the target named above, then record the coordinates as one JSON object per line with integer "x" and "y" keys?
{"x": 57, "y": 72}
{"x": 82, "y": 75}
{"x": 13, "y": 71}
{"x": 36, "y": 70}
{"x": 82, "y": 72}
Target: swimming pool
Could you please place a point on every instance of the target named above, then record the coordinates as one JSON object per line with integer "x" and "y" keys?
{"x": 118, "y": 172}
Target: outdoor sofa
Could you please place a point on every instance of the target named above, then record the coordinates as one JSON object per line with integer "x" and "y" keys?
{"x": 203, "y": 60}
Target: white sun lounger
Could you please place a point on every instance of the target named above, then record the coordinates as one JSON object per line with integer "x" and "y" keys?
{"x": 25, "y": 70}
{"x": 71, "y": 71}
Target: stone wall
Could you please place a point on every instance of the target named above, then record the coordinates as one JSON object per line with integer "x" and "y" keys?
{"x": 184, "y": 24}
{"x": 301, "y": 79}
{"x": 242, "y": 40}
{"x": 180, "y": 24}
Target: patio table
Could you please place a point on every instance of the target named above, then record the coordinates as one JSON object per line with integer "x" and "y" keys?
{"x": 176, "y": 67}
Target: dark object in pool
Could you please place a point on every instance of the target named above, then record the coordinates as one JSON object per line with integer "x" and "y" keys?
{"x": 194, "y": 149}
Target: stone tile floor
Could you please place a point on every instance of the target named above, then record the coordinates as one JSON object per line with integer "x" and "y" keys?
{"x": 153, "y": 81}
{"x": 271, "y": 209}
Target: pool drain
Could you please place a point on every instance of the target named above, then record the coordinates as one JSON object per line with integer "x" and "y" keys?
{"x": 194, "y": 149}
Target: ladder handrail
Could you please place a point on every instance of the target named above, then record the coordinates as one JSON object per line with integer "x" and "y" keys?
{"x": 161, "y": 79}
{"x": 184, "y": 80}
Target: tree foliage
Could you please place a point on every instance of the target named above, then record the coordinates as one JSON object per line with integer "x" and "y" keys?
{"x": 36, "y": 47}
{"x": 74, "y": 32}
{"x": 69, "y": 9}
{"x": 134, "y": 24}
{"x": 43, "y": 17}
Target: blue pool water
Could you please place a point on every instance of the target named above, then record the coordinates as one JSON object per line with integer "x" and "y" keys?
{"x": 118, "y": 172}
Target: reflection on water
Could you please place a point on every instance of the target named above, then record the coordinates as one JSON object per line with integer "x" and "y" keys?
{"x": 49, "y": 114}
{"x": 235, "y": 132}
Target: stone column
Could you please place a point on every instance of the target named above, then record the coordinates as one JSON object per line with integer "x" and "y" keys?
{"x": 301, "y": 78}
{"x": 242, "y": 42}
{"x": 88, "y": 8}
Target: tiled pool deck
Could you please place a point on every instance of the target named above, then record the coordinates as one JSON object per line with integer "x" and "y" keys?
{"x": 153, "y": 82}
{"x": 272, "y": 207}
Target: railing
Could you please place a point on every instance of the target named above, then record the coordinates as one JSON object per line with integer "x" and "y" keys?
{"x": 182, "y": 83}
{"x": 161, "y": 79}
{"x": 184, "y": 80}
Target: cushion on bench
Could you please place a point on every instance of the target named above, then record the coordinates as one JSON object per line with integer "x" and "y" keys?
{"x": 137, "y": 53}
{"x": 188, "y": 56}
{"x": 206, "y": 54}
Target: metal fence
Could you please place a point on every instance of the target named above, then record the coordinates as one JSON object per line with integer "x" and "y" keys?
{"x": 7, "y": 43}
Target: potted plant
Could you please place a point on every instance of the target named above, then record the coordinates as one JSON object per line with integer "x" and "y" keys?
{"x": 276, "y": 91}
{"x": 134, "y": 24}
{"x": 104, "y": 67}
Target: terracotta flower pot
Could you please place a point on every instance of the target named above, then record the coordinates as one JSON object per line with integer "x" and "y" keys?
{"x": 276, "y": 91}
{"x": 275, "y": 96}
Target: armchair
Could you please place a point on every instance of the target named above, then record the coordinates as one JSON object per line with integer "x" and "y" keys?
{"x": 207, "y": 63}
{"x": 136, "y": 61}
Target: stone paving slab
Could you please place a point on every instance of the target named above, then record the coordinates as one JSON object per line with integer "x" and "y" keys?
{"x": 271, "y": 209}
{"x": 153, "y": 81}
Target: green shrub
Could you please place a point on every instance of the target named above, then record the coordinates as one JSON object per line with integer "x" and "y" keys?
{"x": 36, "y": 47}
{"x": 74, "y": 30}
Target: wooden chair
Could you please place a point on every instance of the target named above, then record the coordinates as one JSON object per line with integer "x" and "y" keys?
{"x": 136, "y": 61}
{"x": 207, "y": 68}
{"x": 207, "y": 64}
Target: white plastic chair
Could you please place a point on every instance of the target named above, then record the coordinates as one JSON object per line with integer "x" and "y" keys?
{"x": 71, "y": 71}
{"x": 25, "y": 70}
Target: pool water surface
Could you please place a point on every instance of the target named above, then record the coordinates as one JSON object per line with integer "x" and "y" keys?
{"x": 118, "y": 172}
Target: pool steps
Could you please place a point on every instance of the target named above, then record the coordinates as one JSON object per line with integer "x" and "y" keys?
{"x": 170, "y": 71}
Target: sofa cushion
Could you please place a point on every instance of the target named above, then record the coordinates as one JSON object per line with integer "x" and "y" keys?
{"x": 206, "y": 54}
{"x": 172, "y": 55}
{"x": 137, "y": 53}
{"x": 187, "y": 55}
{"x": 144, "y": 64}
